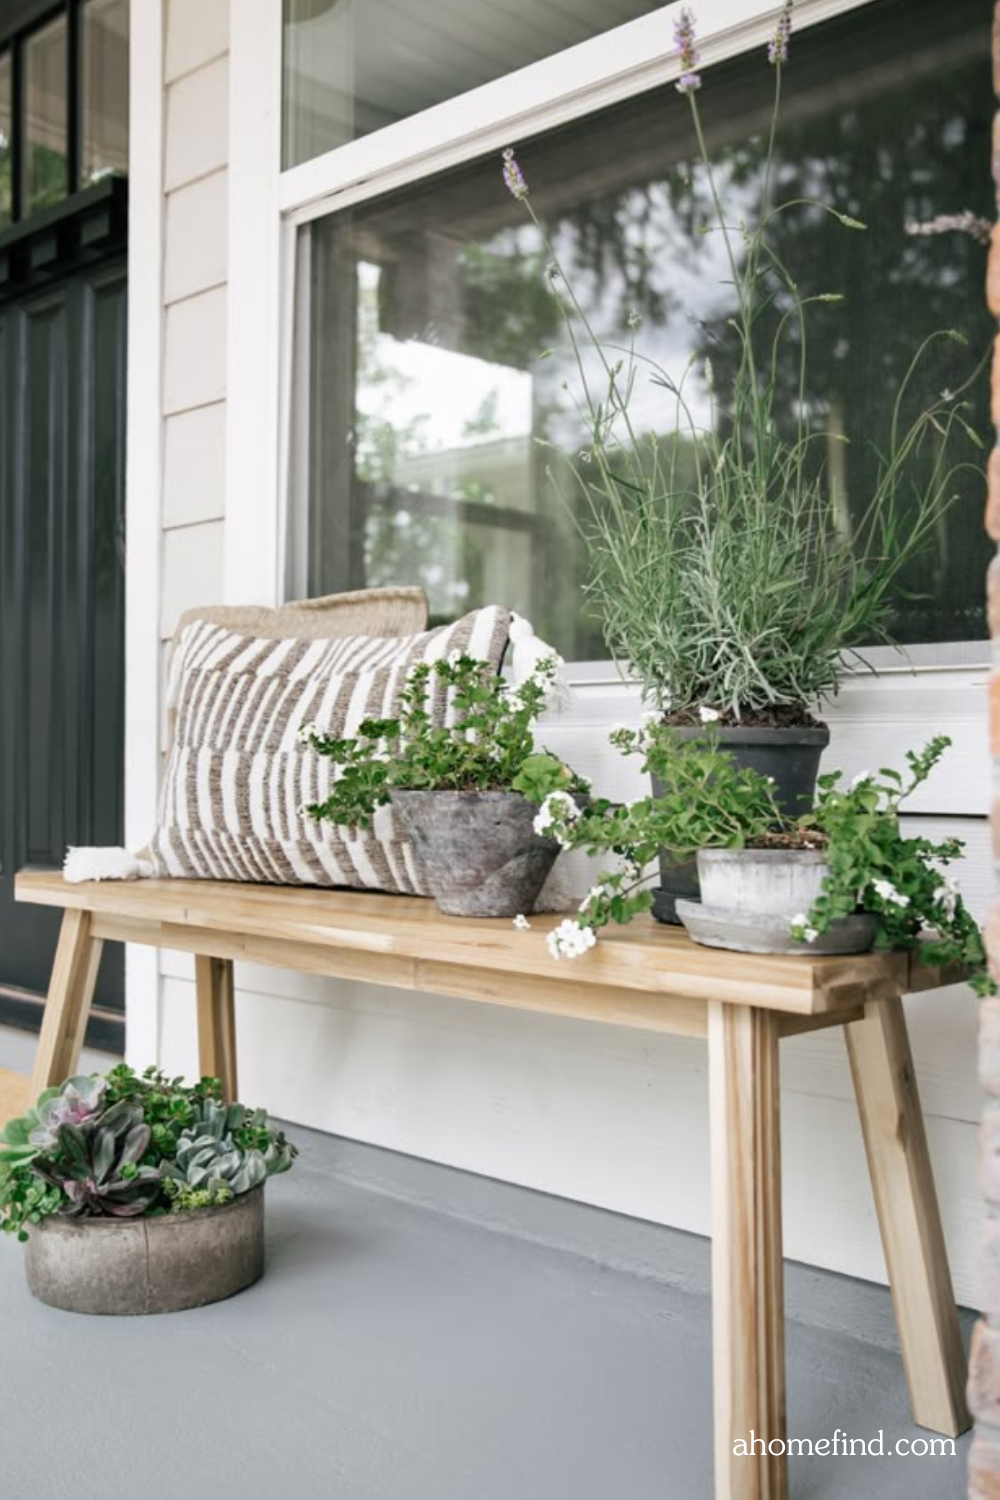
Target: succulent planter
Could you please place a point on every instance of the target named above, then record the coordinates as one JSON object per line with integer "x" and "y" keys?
{"x": 749, "y": 896}
{"x": 790, "y": 756}
{"x": 125, "y": 1267}
{"x": 480, "y": 854}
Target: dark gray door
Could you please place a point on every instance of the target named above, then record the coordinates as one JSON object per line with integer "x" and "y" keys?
{"x": 62, "y": 457}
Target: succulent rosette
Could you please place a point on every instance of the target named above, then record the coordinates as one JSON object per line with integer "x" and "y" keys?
{"x": 122, "y": 1145}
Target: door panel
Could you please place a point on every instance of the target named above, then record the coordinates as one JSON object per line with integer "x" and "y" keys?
{"x": 62, "y": 415}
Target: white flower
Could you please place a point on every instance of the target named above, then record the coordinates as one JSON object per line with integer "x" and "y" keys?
{"x": 800, "y": 929}
{"x": 948, "y": 897}
{"x": 570, "y": 939}
{"x": 861, "y": 778}
{"x": 594, "y": 894}
{"x": 888, "y": 892}
{"x": 558, "y": 807}
{"x": 521, "y": 923}
{"x": 708, "y": 715}
{"x": 809, "y": 934}
{"x": 307, "y": 731}
{"x": 453, "y": 658}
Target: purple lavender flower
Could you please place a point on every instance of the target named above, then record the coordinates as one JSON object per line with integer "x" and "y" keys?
{"x": 512, "y": 174}
{"x": 687, "y": 46}
{"x": 777, "y": 48}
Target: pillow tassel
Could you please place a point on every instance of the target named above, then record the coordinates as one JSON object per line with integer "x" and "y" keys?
{"x": 529, "y": 650}
{"x": 104, "y": 864}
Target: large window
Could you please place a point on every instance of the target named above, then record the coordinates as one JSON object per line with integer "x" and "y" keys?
{"x": 429, "y": 419}
{"x": 63, "y": 104}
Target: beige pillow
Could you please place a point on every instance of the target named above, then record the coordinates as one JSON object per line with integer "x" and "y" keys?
{"x": 384, "y": 612}
{"x": 238, "y": 777}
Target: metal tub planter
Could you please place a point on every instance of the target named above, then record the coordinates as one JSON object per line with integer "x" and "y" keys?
{"x": 138, "y": 1195}
{"x": 123, "y": 1267}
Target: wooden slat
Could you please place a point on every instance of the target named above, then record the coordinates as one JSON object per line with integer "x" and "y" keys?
{"x": 748, "y": 1321}
{"x": 643, "y": 957}
{"x": 909, "y": 1218}
{"x": 673, "y": 1016}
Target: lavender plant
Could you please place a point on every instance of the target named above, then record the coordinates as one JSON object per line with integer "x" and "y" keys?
{"x": 721, "y": 569}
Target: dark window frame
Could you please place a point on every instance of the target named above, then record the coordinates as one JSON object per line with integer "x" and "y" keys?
{"x": 23, "y": 19}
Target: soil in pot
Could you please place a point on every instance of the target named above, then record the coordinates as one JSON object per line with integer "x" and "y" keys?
{"x": 749, "y": 897}
{"x": 480, "y": 854}
{"x": 790, "y": 754}
{"x": 164, "y": 1263}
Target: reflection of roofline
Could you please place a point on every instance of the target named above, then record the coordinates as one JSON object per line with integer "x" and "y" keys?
{"x": 504, "y": 453}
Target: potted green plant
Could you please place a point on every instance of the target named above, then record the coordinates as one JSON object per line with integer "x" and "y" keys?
{"x": 138, "y": 1194}
{"x": 839, "y": 878}
{"x": 726, "y": 577}
{"x": 462, "y": 773}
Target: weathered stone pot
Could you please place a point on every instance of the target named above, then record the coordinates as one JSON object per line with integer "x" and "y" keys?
{"x": 749, "y": 896}
{"x": 124, "y": 1267}
{"x": 480, "y": 855}
{"x": 791, "y": 756}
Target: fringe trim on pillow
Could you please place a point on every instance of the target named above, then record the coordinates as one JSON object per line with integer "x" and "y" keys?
{"x": 104, "y": 864}
{"x": 528, "y": 651}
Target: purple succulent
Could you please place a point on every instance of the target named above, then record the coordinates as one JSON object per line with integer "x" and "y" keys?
{"x": 78, "y": 1099}
{"x": 97, "y": 1165}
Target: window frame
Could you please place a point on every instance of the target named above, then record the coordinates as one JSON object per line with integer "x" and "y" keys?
{"x": 23, "y": 21}
{"x": 269, "y": 206}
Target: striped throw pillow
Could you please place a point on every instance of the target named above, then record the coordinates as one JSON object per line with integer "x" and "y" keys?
{"x": 237, "y": 775}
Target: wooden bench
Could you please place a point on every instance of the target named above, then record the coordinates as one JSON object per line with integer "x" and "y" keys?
{"x": 644, "y": 976}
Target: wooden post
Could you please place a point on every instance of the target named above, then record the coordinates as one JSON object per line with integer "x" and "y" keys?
{"x": 747, "y": 1275}
{"x": 912, "y": 1237}
{"x": 217, "y": 1022}
{"x": 71, "y": 989}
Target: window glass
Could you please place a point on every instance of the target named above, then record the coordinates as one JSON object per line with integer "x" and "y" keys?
{"x": 427, "y": 408}
{"x": 45, "y": 154}
{"x": 6, "y": 202}
{"x": 352, "y": 66}
{"x": 104, "y": 88}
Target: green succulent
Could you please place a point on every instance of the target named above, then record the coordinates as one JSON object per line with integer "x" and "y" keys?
{"x": 210, "y": 1167}
{"x": 97, "y": 1165}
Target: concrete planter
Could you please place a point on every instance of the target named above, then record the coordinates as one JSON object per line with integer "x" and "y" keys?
{"x": 748, "y": 897}
{"x": 480, "y": 854}
{"x": 791, "y": 756}
{"x": 124, "y": 1267}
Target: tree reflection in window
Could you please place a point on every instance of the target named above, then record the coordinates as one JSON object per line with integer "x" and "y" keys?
{"x": 442, "y": 392}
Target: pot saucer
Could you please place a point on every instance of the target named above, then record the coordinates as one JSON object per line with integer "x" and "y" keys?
{"x": 746, "y": 932}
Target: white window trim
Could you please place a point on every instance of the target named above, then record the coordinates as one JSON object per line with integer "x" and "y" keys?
{"x": 267, "y": 206}
{"x": 143, "y": 489}
{"x": 615, "y": 65}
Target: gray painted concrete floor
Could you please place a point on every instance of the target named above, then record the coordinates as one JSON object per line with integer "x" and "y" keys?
{"x": 424, "y": 1335}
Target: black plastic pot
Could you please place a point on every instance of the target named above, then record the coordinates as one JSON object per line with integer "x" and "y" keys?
{"x": 791, "y": 756}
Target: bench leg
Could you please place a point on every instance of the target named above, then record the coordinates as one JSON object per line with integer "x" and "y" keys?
{"x": 912, "y": 1237}
{"x": 217, "y": 1022}
{"x": 748, "y": 1320}
{"x": 71, "y": 989}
